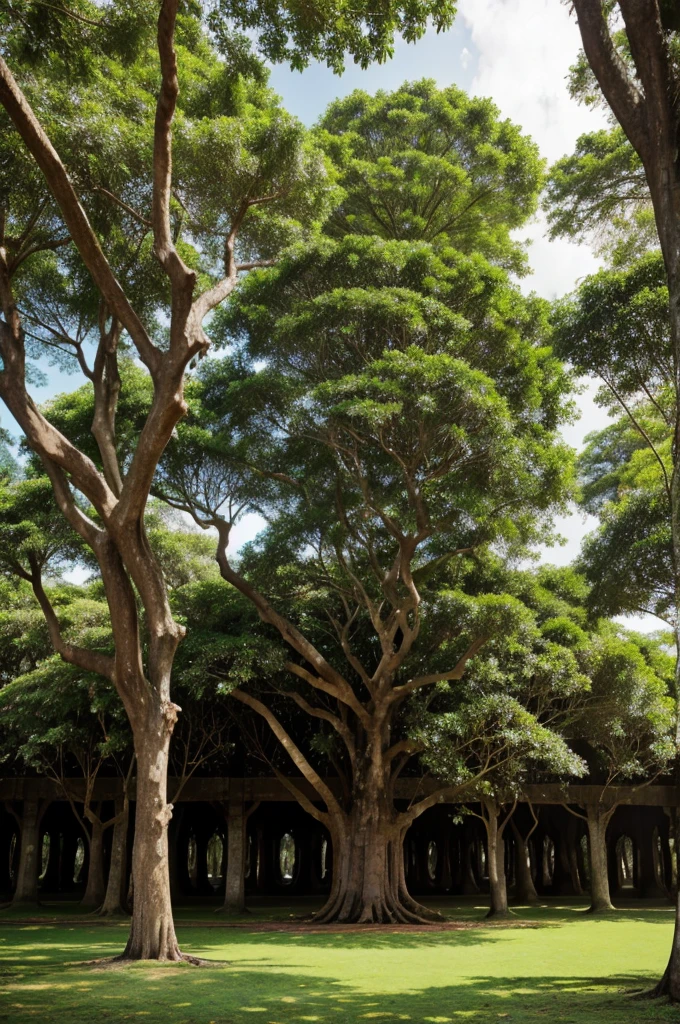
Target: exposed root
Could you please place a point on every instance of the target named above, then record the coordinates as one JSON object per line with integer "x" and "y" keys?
{"x": 178, "y": 958}
{"x": 381, "y": 912}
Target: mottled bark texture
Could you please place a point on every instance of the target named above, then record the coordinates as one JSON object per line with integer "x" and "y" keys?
{"x": 496, "y": 817}
{"x": 597, "y": 817}
{"x": 645, "y": 100}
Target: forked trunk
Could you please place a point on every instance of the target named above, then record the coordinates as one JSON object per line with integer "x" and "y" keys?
{"x": 116, "y": 886}
{"x": 152, "y": 932}
{"x": 600, "y": 899}
{"x": 95, "y": 888}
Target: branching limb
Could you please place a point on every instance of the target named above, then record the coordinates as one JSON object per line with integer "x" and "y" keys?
{"x": 291, "y": 748}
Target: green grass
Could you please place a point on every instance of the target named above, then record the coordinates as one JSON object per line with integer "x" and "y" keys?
{"x": 569, "y": 968}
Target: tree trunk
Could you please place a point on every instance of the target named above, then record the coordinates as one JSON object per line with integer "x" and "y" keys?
{"x": 362, "y": 891}
{"x": 600, "y": 899}
{"x": 116, "y": 886}
{"x": 369, "y": 883}
{"x": 152, "y": 933}
{"x": 235, "y": 885}
{"x": 26, "y": 891}
{"x": 498, "y": 888}
{"x": 95, "y": 888}
{"x": 525, "y": 890}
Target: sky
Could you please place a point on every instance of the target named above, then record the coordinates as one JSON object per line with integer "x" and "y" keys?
{"x": 518, "y": 52}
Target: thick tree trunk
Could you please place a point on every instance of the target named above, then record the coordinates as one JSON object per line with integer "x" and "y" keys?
{"x": 600, "y": 899}
{"x": 116, "y": 886}
{"x": 95, "y": 888}
{"x": 525, "y": 890}
{"x": 369, "y": 883}
{"x": 362, "y": 891}
{"x": 498, "y": 889}
{"x": 152, "y": 932}
{"x": 670, "y": 982}
{"x": 26, "y": 891}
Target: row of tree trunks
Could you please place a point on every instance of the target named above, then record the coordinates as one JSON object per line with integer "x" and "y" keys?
{"x": 107, "y": 896}
{"x": 383, "y": 888}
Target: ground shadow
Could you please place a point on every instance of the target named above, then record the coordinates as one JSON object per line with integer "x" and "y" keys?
{"x": 46, "y": 980}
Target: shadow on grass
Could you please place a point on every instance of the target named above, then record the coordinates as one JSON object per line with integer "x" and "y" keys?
{"x": 236, "y": 995}
{"x": 291, "y": 978}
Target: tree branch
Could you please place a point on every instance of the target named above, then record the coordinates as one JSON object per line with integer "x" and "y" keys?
{"x": 75, "y": 218}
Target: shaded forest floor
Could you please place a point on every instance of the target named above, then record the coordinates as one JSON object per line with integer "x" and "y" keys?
{"x": 554, "y": 964}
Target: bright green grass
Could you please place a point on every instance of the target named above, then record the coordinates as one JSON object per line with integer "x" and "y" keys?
{"x": 571, "y": 968}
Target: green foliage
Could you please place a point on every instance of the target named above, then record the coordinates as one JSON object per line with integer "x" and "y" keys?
{"x": 58, "y": 719}
{"x": 502, "y": 723}
{"x": 617, "y": 326}
{"x": 629, "y": 722}
{"x": 431, "y": 164}
{"x": 628, "y": 558}
{"x": 329, "y": 31}
{"x": 33, "y": 535}
{"x": 234, "y": 146}
{"x": 601, "y": 183}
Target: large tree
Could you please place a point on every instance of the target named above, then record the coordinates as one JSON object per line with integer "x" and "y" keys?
{"x": 230, "y": 168}
{"x": 390, "y": 406}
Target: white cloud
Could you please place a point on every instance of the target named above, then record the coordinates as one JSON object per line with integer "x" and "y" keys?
{"x": 465, "y": 56}
{"x": 524, "y": 51}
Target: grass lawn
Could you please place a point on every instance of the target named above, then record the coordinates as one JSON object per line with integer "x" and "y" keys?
{"x": 565, "y": 967}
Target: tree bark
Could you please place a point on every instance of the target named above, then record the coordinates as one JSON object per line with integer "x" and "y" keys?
{"x": 26, "y": 891}
{"x": 95, "y": 888}
{"x": 600, "y": 899}
{"x": 525, "y": 890}
{"x": 498, "y": 889}
{"x": 363, "y": 891}
{"x": 152, "y": 933}
{"x": 235, "y": 884}
{"x": 116, "y": 886}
